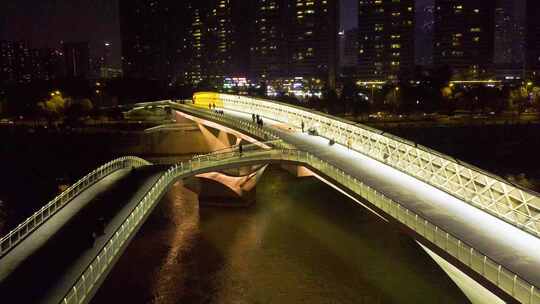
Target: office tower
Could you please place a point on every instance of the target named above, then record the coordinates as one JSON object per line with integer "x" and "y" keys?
{"x": 349, "y": 57}
{"x": 509, "y": 32}
{"x": 532, "y": 42}
{"x": 424, "y": 33}
{"x": 386, "y": 39}
{"x": 77, "y": 58}
{"x": 227, "y": 39}
{"x": 269, "y": 49}
{"x": 153, "y": 38}
{"x": 16, "y": 64}
{"x": 313, "y": 39}
{"x": 464, "y": 37}
{"x": 7, "y": 59}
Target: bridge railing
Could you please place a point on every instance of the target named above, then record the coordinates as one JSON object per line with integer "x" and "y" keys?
{"x": 99, "y": 267}
{"x": 263, "y": 133}
{"x": 494, "y": 195}
{"x": 505, "y": 279}
{"x": 15, "y": 236}
{"x": 272, "y": 144}
{"x": 497, "y": 274}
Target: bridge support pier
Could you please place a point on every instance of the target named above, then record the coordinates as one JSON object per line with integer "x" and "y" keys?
{"x": 475, "y": 292}
{"x": 298, "y": 171}
{"x": 220, "y": 189}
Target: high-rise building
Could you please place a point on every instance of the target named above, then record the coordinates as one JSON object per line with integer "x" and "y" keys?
{"x": 227, "y": 39}
{"x": 20, "y": 64}
{"x": 16, "y": 62}
{"x": 50, "y": 64}
{"x": 464, "y": 37}
{"x": 532, "y": 42}
{"x": 101, "y": 62}
{"x": 153, "y": 38}
{"x": 349, "y": 49}
{"x": 423, "y": 39}
{"x": 194, "y": 45}
{"x": 77, "y": 57}
{"x": 509, "y": 32}
{"x": 7, "y": 61}
{"x": 313, "y": 39}
{"x": 385, "y": 39}
{"x": 186, "y": 42}
{"x": 269, "y": 51}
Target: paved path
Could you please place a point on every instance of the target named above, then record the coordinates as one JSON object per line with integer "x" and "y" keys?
{"x": 52, "y": 258}
{"x": 511, "y": 247}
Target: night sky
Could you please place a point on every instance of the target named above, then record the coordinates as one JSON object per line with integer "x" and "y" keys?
{"x": 45, "y": 23}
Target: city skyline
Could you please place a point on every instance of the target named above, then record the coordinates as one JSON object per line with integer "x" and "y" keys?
{"x": 47, "y": 23}
{"x": 432, "y": 33}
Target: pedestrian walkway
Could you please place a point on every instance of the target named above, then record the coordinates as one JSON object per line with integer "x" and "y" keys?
{"x": 52, "y": 258}
{"x": 504, "y": 243}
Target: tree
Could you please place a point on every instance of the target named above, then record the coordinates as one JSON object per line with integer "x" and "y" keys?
{"x": 54, "y": 107}
{"x": 349, "y": 95}
{"x": 78, "y": 109}
{"x": 330, "y": 99}
{"x": 518, "y": 99}
{"x": 394, "y": 98}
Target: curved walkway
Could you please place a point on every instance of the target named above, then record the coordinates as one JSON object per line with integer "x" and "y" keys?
{"x": 504, "y": 243}
{"x": 43, "y": 271}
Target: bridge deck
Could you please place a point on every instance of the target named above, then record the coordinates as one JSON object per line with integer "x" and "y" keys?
{"x": 44, "y": 272}
{"x": 506, "y": 244}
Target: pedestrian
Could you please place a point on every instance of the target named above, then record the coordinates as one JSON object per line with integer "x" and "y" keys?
{"x": 302, "y": 126}
{"x": 262, "y": 123}
{"x": 214, "y": 105}
{"x": 253, "y": 117}
{"x": 101, "y": 224}
{"x": 210, "y": 106}
{"x": 91, "y": 239}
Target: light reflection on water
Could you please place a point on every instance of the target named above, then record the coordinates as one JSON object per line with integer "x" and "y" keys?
{"x": 302, "y": 242}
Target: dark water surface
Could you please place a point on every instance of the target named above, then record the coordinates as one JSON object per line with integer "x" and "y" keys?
{"x": 302, "y": 242}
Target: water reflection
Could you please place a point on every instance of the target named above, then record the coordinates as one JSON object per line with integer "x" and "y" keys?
{"x": 302, "y": 242}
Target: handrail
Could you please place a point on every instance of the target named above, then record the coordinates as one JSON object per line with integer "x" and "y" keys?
{"x": 249, "y": 127}
{"x": 488, "y": 192}
{"x": 247, "y": 147}
{"x": 16, "y": 235}
{"x": 506, "y": 280}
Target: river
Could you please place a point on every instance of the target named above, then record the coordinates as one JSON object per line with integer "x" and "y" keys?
{"x": 301, "y": 242}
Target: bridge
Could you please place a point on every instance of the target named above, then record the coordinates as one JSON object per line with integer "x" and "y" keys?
{"x": 482, "y": 230}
